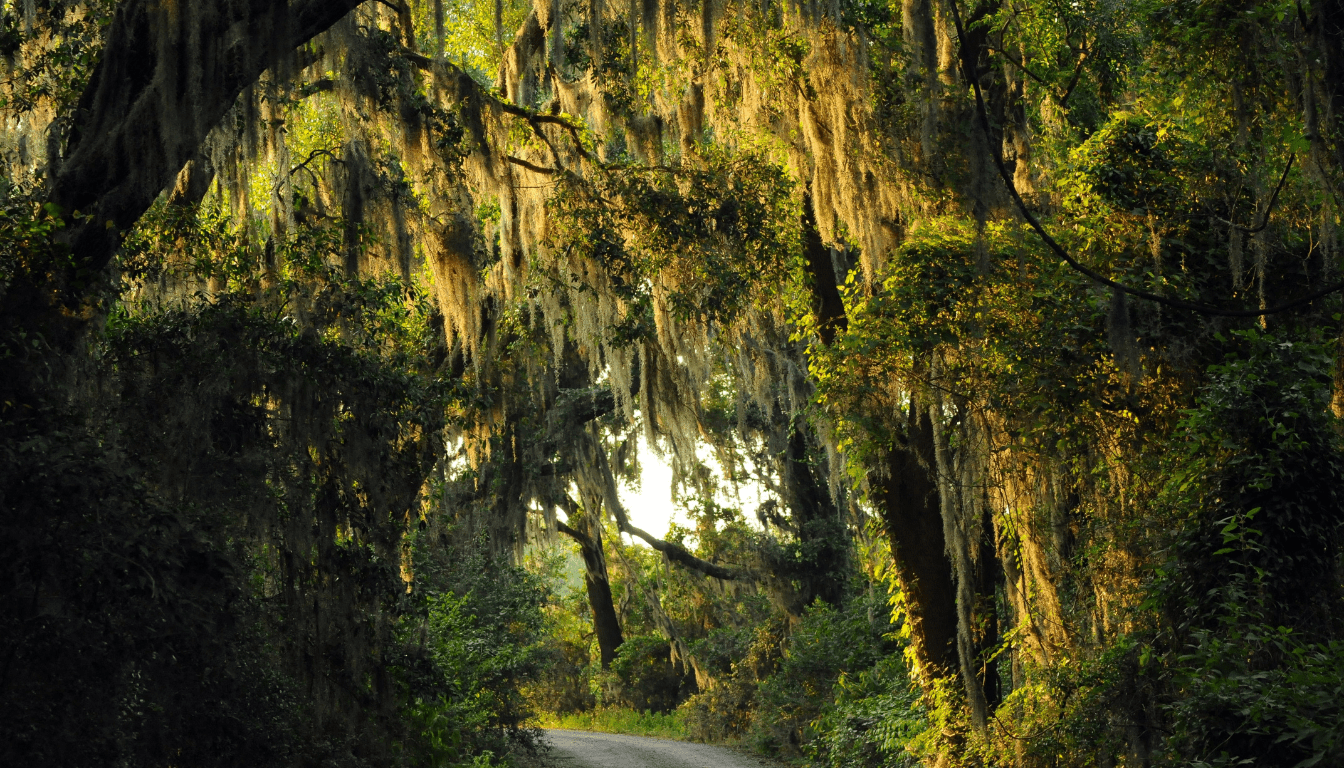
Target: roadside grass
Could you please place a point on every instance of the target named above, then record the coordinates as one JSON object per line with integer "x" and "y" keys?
{"x": 620, "y": 720}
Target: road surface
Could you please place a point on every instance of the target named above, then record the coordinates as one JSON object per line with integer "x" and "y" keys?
{"x": 582, "y": 749}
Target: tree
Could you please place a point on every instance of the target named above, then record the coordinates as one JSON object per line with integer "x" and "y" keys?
{"x": 956, "y": 271}
{"x": 165, "y": 77}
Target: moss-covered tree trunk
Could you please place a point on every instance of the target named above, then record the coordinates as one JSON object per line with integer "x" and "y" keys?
{"x": 586, "y": 529}
{"x": 910, "y": 508}
{"x": 167, "y": 74}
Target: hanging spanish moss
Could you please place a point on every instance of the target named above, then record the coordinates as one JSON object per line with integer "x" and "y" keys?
{"x": 332, "y": 298}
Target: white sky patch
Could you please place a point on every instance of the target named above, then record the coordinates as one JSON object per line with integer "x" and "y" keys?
{"x": 650, "y": 506}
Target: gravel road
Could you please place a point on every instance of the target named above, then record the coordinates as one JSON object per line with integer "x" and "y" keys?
{"x": 581, "y": 749}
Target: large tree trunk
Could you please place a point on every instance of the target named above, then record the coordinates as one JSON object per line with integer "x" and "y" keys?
{"x": 988, "y": 575}
{"x": 909, "y": 499}
{"x": 586, "y": 529}
{"x": 167, "y": 75}
{"x": 1326, "y": 27}
{"x": 819, "y": 568}
{"x": 968, "y": 531}
{"x": 606, "y": 623}
{"x": 827, "y": 303}
{"x": 914, "y": 524}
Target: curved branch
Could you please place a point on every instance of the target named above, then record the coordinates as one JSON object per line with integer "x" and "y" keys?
{"x": 531, "y": 166}
{"x": 533, "y": 118}
{"x": 1077, "y": 75}
{"x": 1062, "y": 253}
{"x": 678, "y": 554}
{"x": 149, "y": 105}
{"x": 537, "y": 118}
{"x": 1273, "y": 199}
{"x": 303, "y": 166}
{"x": 1017, "y": 63}
{"x": 674, "y": 552}
{"x": 572, "y": 533}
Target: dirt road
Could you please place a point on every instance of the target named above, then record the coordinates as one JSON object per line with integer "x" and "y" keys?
{"x": 581, "y": 749}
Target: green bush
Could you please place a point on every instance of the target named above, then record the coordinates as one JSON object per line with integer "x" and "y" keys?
{"x": 874, "y": 715}
{"x": 770, "y": 685}
{"x": 1252, "y": 592}
{"x": 1071, "y": 712}
{"x": 563, "y": 684}
{"x": 646, "y": 678}
{"x": 827, "y": 643}
{"x": 566, "y": 654}
{"x": 1256, "y": 491}
{"x": 1256, "y": 694}
{"x": 480, "y": 626}
{"x": 738, "y": 661}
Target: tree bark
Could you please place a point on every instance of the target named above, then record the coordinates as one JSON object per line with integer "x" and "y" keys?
{"x": 827, "y": 304}
{"x": 168, "y": 74}
{"x": 914, "y": 524}
{"x": 587, "y": 531}
{"x": 193, "y": 182}
{"x": 910, "y": 502}
{"x": 815, "y": 522}
{"x": 988, "y": 574}
{"x": 1326, "y": 27}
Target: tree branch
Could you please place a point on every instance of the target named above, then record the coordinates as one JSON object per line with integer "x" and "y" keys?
{"x": 573, "y": 408}
{"x": 678, "y": 554}
{"x": 1017, "y": 63}
{"x": 303, "y": 166}
{"x": 150, "y": 104}
{"x": 674, "y": 552}
{"x": 531, "y": 166}
{"x": 1273, "y": 199}
{"x": 1077, "y": 74}
{"x": 572, "y": 533}
{"x": 533, "y": 118}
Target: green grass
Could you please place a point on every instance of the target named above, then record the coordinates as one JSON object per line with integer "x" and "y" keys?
{"x": 620, "y": 720}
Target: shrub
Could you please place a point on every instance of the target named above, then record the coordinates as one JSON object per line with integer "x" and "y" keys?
{"x": 646, "y": 678}
{"x": 1256, "y": 694}
{"x": 1253, "y": 589}
{"x": 875, "y": 713}
{"x": 480, "y": 625}
{"x": 724, "y": 709}
{"x": 827, "y": 643}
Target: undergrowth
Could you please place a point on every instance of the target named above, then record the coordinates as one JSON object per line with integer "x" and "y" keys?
{"x": 671, "y": 725}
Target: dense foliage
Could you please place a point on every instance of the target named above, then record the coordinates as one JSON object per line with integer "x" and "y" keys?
{"x": 331, "y": 333}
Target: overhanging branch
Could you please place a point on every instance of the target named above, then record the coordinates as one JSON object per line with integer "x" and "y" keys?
{"x": 150, "y": 104}
{"x": 678, "y": 554}
{"x": 674, "y": 552}
{"x": 573, "y": 534}
{"x": 518, "y": 161}
{"x": 1273, "y": 199}
{"x": 531, "y": 117}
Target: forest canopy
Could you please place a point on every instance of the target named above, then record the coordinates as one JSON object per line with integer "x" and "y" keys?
{"x": 331, "y": 332}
